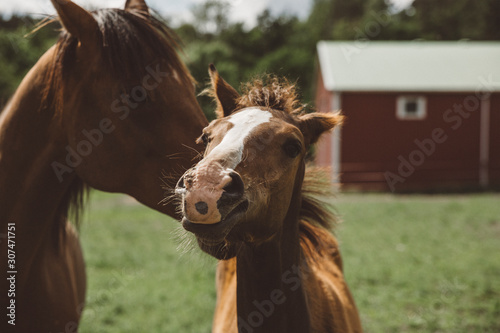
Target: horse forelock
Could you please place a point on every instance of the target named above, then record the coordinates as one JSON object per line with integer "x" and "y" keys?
{"x": 271, "y": 92}
{"x": 129, "y": 42}
{"x": 266, "y": 91}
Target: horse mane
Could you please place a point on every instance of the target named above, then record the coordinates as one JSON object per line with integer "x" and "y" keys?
{"x": 127, "y": 36}
{"x": 271, "y": 92}
{"x": 128, "y": 39}
{"x": 315, "y": 216}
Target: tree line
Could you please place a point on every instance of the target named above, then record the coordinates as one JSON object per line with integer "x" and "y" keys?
{"x": 280, "y": 44}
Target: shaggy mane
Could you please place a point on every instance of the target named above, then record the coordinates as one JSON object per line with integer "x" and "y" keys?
{"x": 271, "y": 92}
{"x": 317, "y": 220}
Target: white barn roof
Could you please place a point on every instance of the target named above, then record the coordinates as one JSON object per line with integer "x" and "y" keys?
{"x": 462, "y": 66}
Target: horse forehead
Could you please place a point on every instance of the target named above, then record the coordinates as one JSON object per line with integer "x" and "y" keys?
{"x": 250, "y": 117}
{"x": 243, "y": 124}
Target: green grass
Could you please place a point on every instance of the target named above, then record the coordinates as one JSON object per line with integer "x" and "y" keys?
{"x": 138, "y": 281}
{"x": 413, "y": 263}
{"x": 423, "y": 263}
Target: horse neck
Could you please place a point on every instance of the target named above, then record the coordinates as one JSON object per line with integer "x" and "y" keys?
{"x": 30, "y": 193}
{"x": 269, "y": 284}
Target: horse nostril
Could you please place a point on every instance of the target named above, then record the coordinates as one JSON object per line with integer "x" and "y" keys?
{"x": 180, "y": 187}
{"x": 201, "y": 207}
{"x": 235, "y": 188}
{"x": 185, "y": 182}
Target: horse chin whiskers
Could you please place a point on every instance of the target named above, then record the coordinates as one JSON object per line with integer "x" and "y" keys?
{"x": 186, "y": 241}
{"x": 188, "y": 248}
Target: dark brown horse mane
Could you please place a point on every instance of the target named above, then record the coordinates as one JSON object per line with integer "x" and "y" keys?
{"x": 129, "y": 38}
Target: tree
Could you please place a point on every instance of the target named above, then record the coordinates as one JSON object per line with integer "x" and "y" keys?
{"x": 327, "y": 16}
{"x": 19, "y": 51}
{"x": 210, "y": 16}
{"x": 283, "y": 45}
{"x": 452, "y": 20}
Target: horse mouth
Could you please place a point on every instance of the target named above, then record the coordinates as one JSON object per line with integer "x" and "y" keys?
{"x": 215, "y": 234}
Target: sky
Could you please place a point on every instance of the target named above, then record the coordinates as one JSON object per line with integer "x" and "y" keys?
{"x": 180, "y": 10}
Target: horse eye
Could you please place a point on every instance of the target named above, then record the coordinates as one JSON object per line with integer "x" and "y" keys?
{"x": 203, "y": 139}
{"x": 292, "y": 148}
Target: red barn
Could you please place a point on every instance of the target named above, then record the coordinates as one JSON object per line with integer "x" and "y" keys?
{"x": 419, "y": 115}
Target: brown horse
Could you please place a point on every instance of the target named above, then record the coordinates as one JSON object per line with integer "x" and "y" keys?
{"x": 247, "y": 204}
{"x": 106, "y": 107}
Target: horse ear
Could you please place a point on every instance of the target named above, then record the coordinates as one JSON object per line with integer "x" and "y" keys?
{"x": 77, "y": 21}
{"x": 139, "y": 5}
{"x": 224, "y": 94}
{"x": 313, "y": 125}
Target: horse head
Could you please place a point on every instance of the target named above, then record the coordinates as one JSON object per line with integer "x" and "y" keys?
{"x": 251, "y": 174}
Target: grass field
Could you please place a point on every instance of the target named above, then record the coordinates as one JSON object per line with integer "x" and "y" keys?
{"x": 413, "y": 263}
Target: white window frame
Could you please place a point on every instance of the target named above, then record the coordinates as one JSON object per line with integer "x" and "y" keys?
{"x": 419, "y": 114}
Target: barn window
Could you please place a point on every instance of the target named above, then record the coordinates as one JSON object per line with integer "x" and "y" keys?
{"x": 411, "y": 107}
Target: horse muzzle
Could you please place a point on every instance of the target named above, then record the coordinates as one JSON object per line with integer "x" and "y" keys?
{"x": 210, "y": 194}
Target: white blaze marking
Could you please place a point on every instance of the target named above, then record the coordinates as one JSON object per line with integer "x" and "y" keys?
{"x": 231, "y": 146}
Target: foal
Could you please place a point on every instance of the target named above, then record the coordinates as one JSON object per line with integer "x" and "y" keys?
{"x": 280, "y": 269}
